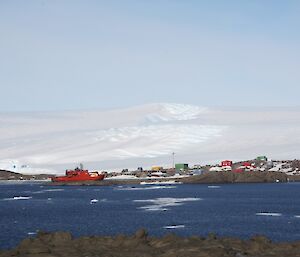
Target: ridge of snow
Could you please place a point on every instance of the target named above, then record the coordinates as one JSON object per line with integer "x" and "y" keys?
{"x": 175, "y": 112}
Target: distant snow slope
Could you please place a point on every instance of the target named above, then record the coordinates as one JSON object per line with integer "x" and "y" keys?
{"x": 145, "y": 136}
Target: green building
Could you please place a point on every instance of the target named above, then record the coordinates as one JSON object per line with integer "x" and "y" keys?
{"x": 181, "y": 166}
{"x": 262, "y": 158}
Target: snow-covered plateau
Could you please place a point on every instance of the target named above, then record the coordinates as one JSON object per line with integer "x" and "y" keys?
{"x": 145, "y": 136}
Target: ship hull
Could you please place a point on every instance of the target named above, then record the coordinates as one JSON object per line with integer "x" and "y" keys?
{"x": 67, "y": 179}
{"x": 78, "y": 177}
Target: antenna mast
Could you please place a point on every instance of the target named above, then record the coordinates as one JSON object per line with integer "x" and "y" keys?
{"x": 173, "y": 160}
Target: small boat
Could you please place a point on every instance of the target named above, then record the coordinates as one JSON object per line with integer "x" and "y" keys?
{"x": 79, "y": 174}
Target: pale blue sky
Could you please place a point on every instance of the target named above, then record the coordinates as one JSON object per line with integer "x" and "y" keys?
{"x": 57, "y": 55}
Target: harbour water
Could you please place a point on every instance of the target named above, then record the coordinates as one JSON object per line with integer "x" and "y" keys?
{"x": 239, "y": 210}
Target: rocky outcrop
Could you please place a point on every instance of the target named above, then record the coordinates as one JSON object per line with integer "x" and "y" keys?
{"x": 61, "y": 244}
{"x": 9, "y": 175}
{"x": 293, "y": 178}
{"x": 243, "y": 177}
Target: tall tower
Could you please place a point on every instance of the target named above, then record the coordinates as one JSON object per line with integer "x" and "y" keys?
{"x": 173, "y": 160}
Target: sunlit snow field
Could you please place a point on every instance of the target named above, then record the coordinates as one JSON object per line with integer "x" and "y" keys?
{"x": 144, "y": 136}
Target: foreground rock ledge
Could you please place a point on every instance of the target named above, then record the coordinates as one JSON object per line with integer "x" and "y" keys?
{"x": 61, "y": 244}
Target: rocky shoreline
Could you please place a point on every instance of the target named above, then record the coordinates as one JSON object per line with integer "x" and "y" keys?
{"x": 212, "y": 177}
{"x": 224, "y": 177}
{"x": 62, "y": 244}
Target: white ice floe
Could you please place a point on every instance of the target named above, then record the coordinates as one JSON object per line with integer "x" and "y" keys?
{"x": 48, "y": 190}
{"x": 166, "y": 182}
{"x": 274, "y": 214}
{"x": 54, "y": 190}
{"x": 162, "y": 204}
{"x": 17, "y": 198}
{"x": 31, "y": 233}
{"x": 22, "y": 197}
{"x": 297, "y": 216}
{"x": 145, "y": 188}
{"x": 213, "y": 186}
{"x": 174, "y": 226}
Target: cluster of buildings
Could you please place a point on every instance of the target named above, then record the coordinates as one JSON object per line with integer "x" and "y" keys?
{"x": 260, "y": 163}
{"x": 179, "y": 169}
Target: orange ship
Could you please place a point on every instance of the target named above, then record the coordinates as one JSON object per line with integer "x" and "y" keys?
{"x": 79, "y": 174}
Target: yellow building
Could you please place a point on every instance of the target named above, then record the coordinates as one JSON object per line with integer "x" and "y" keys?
{"x": 156, "y": 168}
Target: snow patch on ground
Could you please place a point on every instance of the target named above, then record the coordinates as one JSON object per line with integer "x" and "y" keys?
{"x": 175, "y": 112}
{"x": 122, "y": 177}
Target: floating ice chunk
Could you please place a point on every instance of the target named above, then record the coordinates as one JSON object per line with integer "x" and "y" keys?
{"x": 213, "y": 187}
{"x": 54, "y": 190}
{"x": 48, "y": 190}
{"x": 167, "y": 182}
{"x": 154, "y": 207}
{"x": 161, "y": 204}
{"x": 22, "y": 197}
{"x": 174, "y": 226}
{"x": 145, "y": 188}
{"x": 274, "y": 214}
{"x": 17, "y": 198}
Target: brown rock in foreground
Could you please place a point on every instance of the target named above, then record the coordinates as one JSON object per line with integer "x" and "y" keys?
{"x": 61, "y": 244}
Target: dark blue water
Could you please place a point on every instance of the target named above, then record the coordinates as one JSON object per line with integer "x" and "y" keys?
{"x": 231, "y": 210}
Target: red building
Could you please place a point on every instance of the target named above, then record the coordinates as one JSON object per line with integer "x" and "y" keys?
{"x": 226, "y": 163}
{"x": 247, "y": 164}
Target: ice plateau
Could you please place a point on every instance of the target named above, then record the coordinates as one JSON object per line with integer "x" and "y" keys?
{"x": 144, "y": 136}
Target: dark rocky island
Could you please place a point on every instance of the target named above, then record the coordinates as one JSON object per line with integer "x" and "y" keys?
{"x": 10, "y": 175}
{"x": 223, "y": 177}
{"x": 62, "y": 244}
